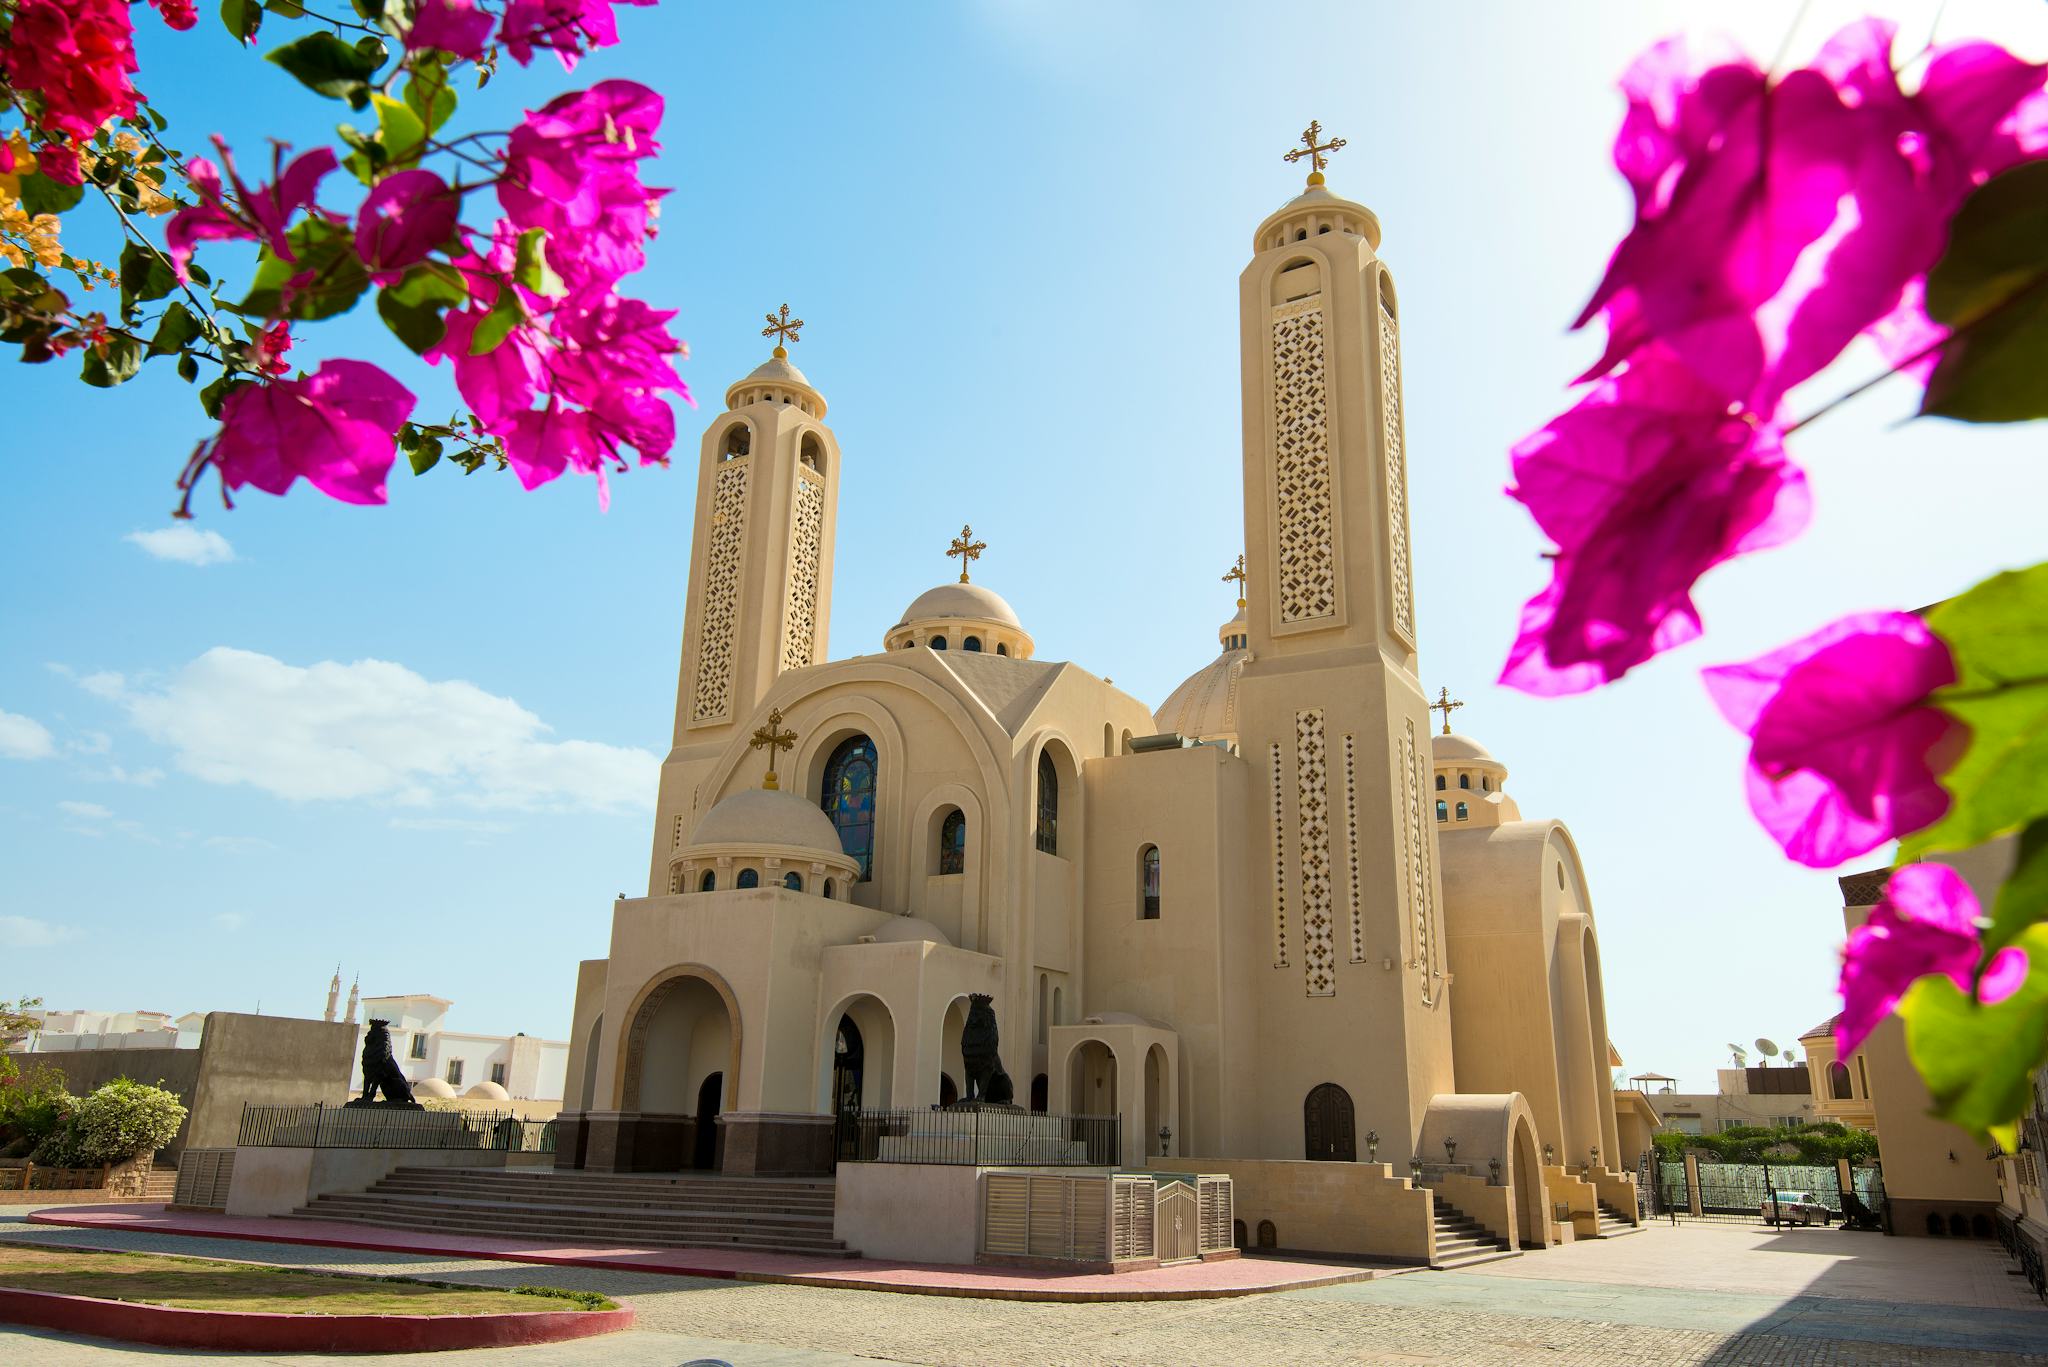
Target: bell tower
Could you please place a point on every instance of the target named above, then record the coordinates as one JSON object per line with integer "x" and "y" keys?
{"x": 1332, "y": 717}
{"x": 760, "y": 597}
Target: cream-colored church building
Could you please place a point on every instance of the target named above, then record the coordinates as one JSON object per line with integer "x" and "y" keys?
{"x": 1275, "y": 924}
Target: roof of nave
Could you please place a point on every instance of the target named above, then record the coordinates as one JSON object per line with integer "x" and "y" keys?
{"x": 1008, "y": 687}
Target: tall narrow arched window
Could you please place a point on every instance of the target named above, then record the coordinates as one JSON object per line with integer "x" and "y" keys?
{"x": 1002, "y": 649}
{"x": 709, "y": 882}
{"x": 1148, "y": 883}
{"x": 793, "y": 881}
{"x": 1464, "y": 780}
{"x": 828, "y": 888}
{"x": 739, "y": 441}
{"x": 1463, "y": 811}
{"x": 1485, "y": 784}
{"x": 848, "y": 797}
{"x": 1439, "y": 782}
{"x": 1048, "y": 804}
{"x": 1443, "y": 810}
{"x": 749, "y": 878}
{"x": 1838, "y": 1081}
{"x": 813, "y": 452}
{"x": 953, "y": 842}
{"x": 971, "y": 643}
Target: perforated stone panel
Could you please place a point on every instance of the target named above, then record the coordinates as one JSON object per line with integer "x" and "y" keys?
{"x": 1419, "y": 864}
{"x": 1319, "y": 955}
{"x": 806, "y": 541}
{"x": 1279, "y": 865}
{"x": 1351, "y": 846}
{"x": 721, "y": 593}
{"x": 1303, "y": 496}
{"x": 1401, "y": 580}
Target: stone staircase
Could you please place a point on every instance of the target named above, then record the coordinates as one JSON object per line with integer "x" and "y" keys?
{"x": 683, "y": 1210}
{"x": 160, "y": 1185}
{"x": 1614, "y": 1223}
{"x": 1462, "y": 1240}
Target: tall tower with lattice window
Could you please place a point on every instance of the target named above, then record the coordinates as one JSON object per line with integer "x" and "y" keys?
{"x": 760, "y": 598}
{"x": 1332, "y": 717}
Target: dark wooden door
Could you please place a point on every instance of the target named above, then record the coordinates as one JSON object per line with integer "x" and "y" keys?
{"x": 708, "y": 1098}
{"x": 1327, "y": 1126}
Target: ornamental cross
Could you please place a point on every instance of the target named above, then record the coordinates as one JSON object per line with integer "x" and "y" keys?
{"x": 1236, "y": 572}
{"x": 1313, "y": 148}
{"x": 967, "y": 548}
{"x": 1445, "y": 704}
{"x": 784, "y": 327}
{"x": 772, "y": 737}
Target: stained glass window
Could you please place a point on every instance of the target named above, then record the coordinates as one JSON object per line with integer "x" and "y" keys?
{"x": 953, "y": 843}
{"x": 1048, "y": 804}
{"x": 793, "y": 881}
{"x": 848, "y": 797}
{"x": 1443, "y": 810}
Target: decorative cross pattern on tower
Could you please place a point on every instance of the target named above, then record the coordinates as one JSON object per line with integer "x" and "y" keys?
{"x": 1236, "y": 573}
{"x": 772, "y": 738}
{"x": 1314, "y": 148}
{"x": 1445, "y": 704}
{"x": 967, "y": 548}
{"x": 785, "y": 328}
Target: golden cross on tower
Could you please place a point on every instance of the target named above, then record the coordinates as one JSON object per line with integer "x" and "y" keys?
{"x": 1445, "y": 704}
{"x": 784, "y": 327}
{"x": 967, "y": 548}
{"x": 1236, "y": 572}
{"x": 773, "y": 738}
{"x": 1313, "y": 148}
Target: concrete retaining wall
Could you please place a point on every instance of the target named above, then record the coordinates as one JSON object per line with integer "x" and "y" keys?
{"x": 918, "y": 1212}
{"x": 1328, "y": 1207}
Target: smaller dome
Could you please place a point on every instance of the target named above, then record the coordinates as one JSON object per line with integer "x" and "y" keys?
{"x": 432, "y": 1086}
{"x": 1456, "y": 747}
{"x": 772, "y": 378}
{"x": 764, "y": 816}
{"x": 487, "y": 1091}
{"x": 961, "y": 600}
{"x": 908, "y": 928}
{"x": 1204, "y": 707}
{"x": 776, "y": 370}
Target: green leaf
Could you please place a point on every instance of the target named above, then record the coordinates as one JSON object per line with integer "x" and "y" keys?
{"x": 113, "y": 362}
{"x": 431, "y": 92}
{"x": 188, "y": 368}
{"x": 423, "y": 451}
{"x": 1991, "y": 289}
{"x": 338, "y": 278}
{"x": 1976, "y": 1059}
{"x": 41, "y": 195}
{"x": 400, "y": 130}
{"x": 290, "y": 9}
{"x": 2023, "y": 897}
{"x": 419, "y": 326}
{"x": 326, "y": 65}
{"x": 215, "y": 394}
{"x": 145, "y": 275}
{"x": 241, "y": 18}
{"x": 431, "y": 282}
{"x": 528, "y": 265}
{"x": 1998, "y": 634}
{"x": 178, "y": 328}
{"x": 497, "y": 325}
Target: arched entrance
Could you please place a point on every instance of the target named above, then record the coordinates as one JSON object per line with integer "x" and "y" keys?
{"x": 1329, "y": 1133}
{"x": 682, "y": 1033}
{"x": 709, "y": 1096}
{"x": 1156, "y": 1118}
{"x": 1092, "y": 1080}
{"x": 590, "y": 1053}
{"x": 1532, "y": 1219}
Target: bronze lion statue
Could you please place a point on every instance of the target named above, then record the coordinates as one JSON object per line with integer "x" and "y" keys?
{"x": 986, "y": 1080}
{"x": 380, "y": 1070}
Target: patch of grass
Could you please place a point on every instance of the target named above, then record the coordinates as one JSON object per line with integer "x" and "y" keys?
{"x": 204, "y": 1284}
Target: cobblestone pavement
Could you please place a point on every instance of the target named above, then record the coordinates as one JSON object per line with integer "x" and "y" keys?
{"x": 1609, "y": 1315}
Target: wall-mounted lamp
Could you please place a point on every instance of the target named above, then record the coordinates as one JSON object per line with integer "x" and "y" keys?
{"x": 1550, "y": 1155}
{"x": 1450, "y": 1150}
{"x": 1372, "y": 1146}
{"x": 1493, "y": 1167}
{"x": 1165, "y": 1139}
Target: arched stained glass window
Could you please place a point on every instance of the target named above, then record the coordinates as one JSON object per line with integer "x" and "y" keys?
{"x": 793, "y": 881}
{"x": 1463, "y": 811}
{"x": 1464, "y": 780}
{"x": 848, "y": 798}
{"x": 953, "y": 842}
{"x": 749, "y": 878}
{"x": 1439, "y": 782}
{"x": 1048, "y": 804}
{"x": 938, "y": 643}
{"x": 971, "y": 643}
{"x": 1148, "y": 884}
{"x": 1443, "y": 810}
{"x": 709, "y": 882}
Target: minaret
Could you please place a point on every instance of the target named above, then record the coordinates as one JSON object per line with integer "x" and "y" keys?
{"x": 1331, "y": 715}
{"x": 333, "y": 993}
{"x": 350, "y": 1018}
{"x": 760, "y": 598}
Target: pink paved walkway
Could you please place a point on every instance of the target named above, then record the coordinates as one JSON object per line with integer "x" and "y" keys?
{"x": 1188, "y": 1281}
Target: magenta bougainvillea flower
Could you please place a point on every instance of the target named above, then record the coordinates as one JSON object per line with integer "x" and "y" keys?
{"x": 59, "y": 161}
{"x": 567, "y": 28}
{"x": 572, "y": 170}
{"x": 75, "y": 57}
{"x": 1644, "y": 486}
{"x": 1845, "y": 744}
{"x": 179, "y": 14}
{"x": 404, "y": 219}
{"x": 263, "y": 215}
{"x": 456, "y": 27}
{"x": 336, "y": 427}
{"x": 1926, "y": 923}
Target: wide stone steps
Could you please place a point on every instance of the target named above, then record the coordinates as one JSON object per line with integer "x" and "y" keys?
{"x": 1462, "y": 1241}
{"x": 685, "y": 1211}
{"x": 1614, "y": 1224}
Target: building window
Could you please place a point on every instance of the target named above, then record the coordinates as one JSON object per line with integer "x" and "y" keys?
{"x": 793, "y": 881}
{"x": 498, "y": 1073}
{"x": 972, "y": 643}
{"x": 1838, "y": 1081}
{"x": 1048, "y": 804}
{"x": 849, "y": 799}
{"x": 1002, "y": 649}
{"x": 738, "y": 442}
{"x": 1440, "y": 783}
{"x": 1443, "y": 810}
{"x": 813, "y": 450}
{"x": 1464, "y": 780}
{"x": 938, "y": 643}
{"x": 1148, "y": 883}
{"x": 454, "y": 1072}
{"x": 953, "y": 842}
{"x": 419, "y": 1046}
{"x": 1485, "y": 784}
{"x": 709, "y": 882}
{"x": 828, "y": 888}
{"x": 749, "y": 878}
{"x": 1463, "y": 812}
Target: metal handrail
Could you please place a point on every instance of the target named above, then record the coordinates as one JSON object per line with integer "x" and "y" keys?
{"x": 320, "y": 1126}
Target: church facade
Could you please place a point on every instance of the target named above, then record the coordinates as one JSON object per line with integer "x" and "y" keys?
{"x": 1274, "y": 921}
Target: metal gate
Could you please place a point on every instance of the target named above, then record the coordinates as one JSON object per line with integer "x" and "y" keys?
{"x": 1178, "y": 1225}
{"x": 1735, "y": 1193}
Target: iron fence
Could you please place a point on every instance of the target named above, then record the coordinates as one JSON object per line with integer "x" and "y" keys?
{"x": 1734, "y": 1193}
{"x": 321, "y": 1126}
{"x": 990, "y": 1138}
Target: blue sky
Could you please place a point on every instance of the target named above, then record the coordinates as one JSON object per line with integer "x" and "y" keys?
{"x": 419, "y": 740}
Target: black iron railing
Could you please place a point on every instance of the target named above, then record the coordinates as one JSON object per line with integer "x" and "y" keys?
{"x": 990, "y": 1138}
{"x": 320, "y": 1126}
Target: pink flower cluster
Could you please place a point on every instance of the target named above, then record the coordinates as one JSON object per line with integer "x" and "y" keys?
{"x": 75, "y": 57}
{"x": 263, "y": 215}
{"x": 594, "y": 362}
{"x": 567, "y": 28}
{"x": 1925, "y": 923}
{"x": 1776, "y": 221}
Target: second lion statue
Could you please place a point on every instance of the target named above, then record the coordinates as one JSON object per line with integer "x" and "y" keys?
{"x": 979, "y": 1058}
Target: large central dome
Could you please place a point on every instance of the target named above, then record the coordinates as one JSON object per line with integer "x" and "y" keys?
{"x": 964, "y": 617}
{"x": 961, "y": 600}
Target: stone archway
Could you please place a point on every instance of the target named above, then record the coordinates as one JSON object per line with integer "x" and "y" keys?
{"x": 1092, "y": 1080}
{"x": 857, "y": 1056}
{"x": 683, "y": 1031}
{"x": 1525, "y": 1174}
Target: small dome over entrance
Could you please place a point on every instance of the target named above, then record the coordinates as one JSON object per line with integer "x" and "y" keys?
{"x": 762, "y": 816}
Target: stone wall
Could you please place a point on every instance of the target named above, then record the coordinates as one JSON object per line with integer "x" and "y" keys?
{"x": 1327, "y": 1207}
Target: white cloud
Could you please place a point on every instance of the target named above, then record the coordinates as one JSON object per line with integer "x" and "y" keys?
{"x": 24, "y": 737}
{"x": 184, "y": 543}
{"x": 375, "y": 730}
{"x": 84, "y": 811}
{"x": 105, "y": 684}
{"x": 93, "y": 743}
{"x": 26, "y": 932}
{"x": 229, "y": 920}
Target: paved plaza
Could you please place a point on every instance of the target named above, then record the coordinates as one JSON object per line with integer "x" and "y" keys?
{"x": 1697, "y": 1294}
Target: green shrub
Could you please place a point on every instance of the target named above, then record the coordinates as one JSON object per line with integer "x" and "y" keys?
{"x": 33, "y": 1102}
{"x": 585, "y": 1300}
{"x": 122, "y": 1120}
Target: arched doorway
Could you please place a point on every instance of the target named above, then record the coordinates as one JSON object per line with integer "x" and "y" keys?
{"x": 1092, "y": 1080}
{"x": 590, "y": 1052}
{"x": 683, "y": 1032}
{"x": 1039, "y": 1088}
{"x": 949, "y": 1091}
{"x": 1329, "y": 1132}
{"x": 1156, "y": 1117}
{"x": 709, "y": 1097}
{"x": 1532, "y": 1218}
{"x": 952, "y": 1068}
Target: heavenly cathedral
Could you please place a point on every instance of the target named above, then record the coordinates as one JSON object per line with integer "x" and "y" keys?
{"x": 1274, "y": 924}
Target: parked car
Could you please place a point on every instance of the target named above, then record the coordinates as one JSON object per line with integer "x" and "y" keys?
{"x": 1794, "y": 1208}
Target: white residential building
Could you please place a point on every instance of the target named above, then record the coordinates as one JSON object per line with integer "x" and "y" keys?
{"x": 498, "y": 1067}
{"x": 63, "y": 1032}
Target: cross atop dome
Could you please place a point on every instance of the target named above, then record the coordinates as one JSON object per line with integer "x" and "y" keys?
{"x": 1236, "y": 572}
{"x": 772, "y": 738}
{"x": 785, "y": 328}
{"x": 967, "y": 548}
{"x": 1314, "y": 148}
{"x": 1446, "y": 704}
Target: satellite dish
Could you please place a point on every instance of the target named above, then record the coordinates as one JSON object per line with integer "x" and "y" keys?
{"x": 1739, "y": 1053}
{"x": 1766, "y": 1047}
{"x": 1789, "y": 1057}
